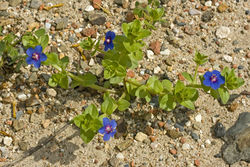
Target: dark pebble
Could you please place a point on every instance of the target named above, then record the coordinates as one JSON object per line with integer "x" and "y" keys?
{"x": 207, "y": 16}
{"x": 247, "y": 12}
{"x": 218, "y": 155}
{"x": 219, "y": 130}
{"x": 236, "y": 50}
{"x": 240, "y": 67}
{"x": 181, "y": 24}
{"x": 126, "y": 165}
{"x": 235, "y": 42}
{"x": 1, "y": 78}
{"x": 181, "y": 128}
{"x": 147, "y": 71}
{"x": 194, "y": 136}
{"x": 43, "y": 89}
{"x": 154, "y": 101}
{"x": 169, "y": 122}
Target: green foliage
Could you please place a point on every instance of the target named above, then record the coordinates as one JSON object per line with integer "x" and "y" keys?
{"x": 199, "y": 58}
{"x": 89, "y": 123}
{"x": 231, "y": 81}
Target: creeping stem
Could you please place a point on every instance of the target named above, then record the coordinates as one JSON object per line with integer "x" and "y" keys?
{"x": 195, "y": 74}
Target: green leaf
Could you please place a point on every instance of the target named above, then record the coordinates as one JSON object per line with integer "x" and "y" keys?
{"x": 40, "y": 32}
{"x": 87, "y": 44}
{"x": 52, "y": 58}
{"x": 43, "y": 41}
{"x": 189, "y": 104}
{"x": 224, "y": 95}
{"x": 86, "y": 80}
{"x": 142, "y": 92}
{"x": 87, "y": 136}
{"x": 92, "y": 111}
{"x": 123, "y": 104}
{"x": 116, "y": 80}
{"x": 78, "y": 120}
{"x": 179, "y": 86}
{"x": 64, "y": 81}
{"x": 167, "y": 85}
{"x": 200, "y": 58}
{"x": 132, "y": 48}
{"x": 108, "y": 106}
{"x": 131, "y": 88}
{"x": 154, "y": 85}
{"x": 163, "y": 101}
{"x": 188, "y": 77}
{"x": 29, "y": 42}
{"x": 52, "y": 82}
{"x": 125, "y": 28}
{"x": 64, "y": 62}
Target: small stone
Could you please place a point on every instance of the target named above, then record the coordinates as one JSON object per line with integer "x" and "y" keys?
{"x": 18, "y": 125}
{"x": 46, "y": 123}
{"x": 233, "y": 106}
{"x": 124, "y": 145}
{"x": 197, "y": 162}
{"x": 97, "y": 4}
{"x": 208, "y": 3}
{"x": 173, "y": 151}
{"x": 157, "y": 70}
{"x": 61, "y": 23}
{"x": 114, "y": 161}
{"x": 198, "y": 118}
{"x": 141, "y": 136}
{"x": 4, "y": 5}
{"x": 89, "y": 8}
{"x": 14, "y": 3}
{"x": 194, "y": 136}
{"x": 207, "y": 16}
{"x": 51, "y": 92}
{"x": 88, "y": 32}
{"x": 47, "y": 26}
{"x": 91, "y": 62}
{"x": 149, "y": 130}
{"x": 23, "y": 145}
{"x": 22, "y": 97}
{"x": 154, "y": 145}
{"x": 173, "y": 134}
{"x": 33, "y": 77}
{"x": 181, "y": 77}
{"x": 181, "y": 128}
{"x": 35, "y": 4}
{"x": 97, "y": 19}
{"x": 130, "y": 73}
{"x": 222, "y": 32}
{"x": 246, "y": 27}
{"x": 186, "y": 146}
{"x": 166, "y": 52}
{"x": 120, "y": 156}
{"x": 228, "y": 59}
{"x": 130, "y": 17}
{"x": 219, "y": 130}
{"x": 152, "y": 138}
{"x": 222, "y": 7}
{"x": 7, "y": 140}
{"x": 194, "y": 12}
{"x": 155, "y": 46}
{"x": 208, "y": 142}
{"x": 150, "y": 54}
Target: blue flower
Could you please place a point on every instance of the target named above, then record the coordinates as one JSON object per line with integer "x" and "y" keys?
{"x": 108, "y": 129}
{"x": 110, "y": 36}
{"x": 213, "y": 79}
{"x": 35, "y": 56}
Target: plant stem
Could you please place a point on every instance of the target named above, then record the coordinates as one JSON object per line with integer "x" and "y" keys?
{"x": 195, "y": 74}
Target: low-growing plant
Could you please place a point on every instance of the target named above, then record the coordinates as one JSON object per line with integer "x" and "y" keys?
{"x": 122, "y": 53}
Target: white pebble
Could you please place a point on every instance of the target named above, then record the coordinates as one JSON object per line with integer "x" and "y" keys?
{"x": 222, "y": 32}
{"x": 208, "y": 3}
{"x": 157, "y": 70}
{"x": 89, "y": 8}
{"x": 22, "y": 96}
{"x": 150, "y": 54}
{"x": 154, "y": 145}
{"x": 186, "y": 146}
{"x": 47, "y": 25}
{"x": 91, "y": 62}
{"x": 166, "y": 52}
{"x": 51, "y": 92}
{"x": 208, "y": 141}
{"x": 228, "y": 59}
{"x": 198, "y": 118}
{"x": 120, "y": 156}
{"x": 140, "y": 136}
{"x": 7, "y": 141}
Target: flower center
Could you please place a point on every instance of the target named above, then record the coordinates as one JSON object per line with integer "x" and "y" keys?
{"x": 213, "y": 78}
{"x": 108, "y": 129}
{"x": 108, "y": 40}
{"x": 35, "y": 56}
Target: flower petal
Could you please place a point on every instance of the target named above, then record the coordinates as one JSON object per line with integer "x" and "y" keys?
{"x": 102, "y": 130}
{"x": 106, "y": 137}
{"x": 105, "y": 121}
{"x": 38, "y": 49}
{"x": 217, "y": 73}
{"x": 207, "y": 82}
{"x": 30, "y": 51}
{"x": 207, "y": 75}
{"x": 37, "y": 64}
{"x": 113, "y": 124}
{"x": 29, "y": 60}
{"x": 43, "y": 57}
{"x": 111, "y": 45}
{"x": 221, "y": 80}
{"x": 215, "y": 85}
{"x": 113, "y": 133}
{"x": 110, "y": 34}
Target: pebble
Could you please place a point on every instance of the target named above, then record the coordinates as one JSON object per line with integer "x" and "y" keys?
{"x": 35, "y": 4}
{"x": 157, "y": 70}
{"x": 7, "y": 141}
{"x": 14, "y": 3}
{"x": 89, "y": 8}
{"x": 228, "y": 58}
{"x": 4, "y": 151}
{"x": 23, "y": 145}
{"x": 18, "y": 125}
{"x": 61, "y": 23}
{"x": 33, "y": 77}
{"x": 96, "y": 19}
{"x": 173, "y": 151}
{"x": 154, "y": 145}
{"x": 22, "y": 97}
{"x": 46, "y": 123}
{"x": 208, "y": 3}
{"x": 173, "y": 134}
{"x": 91, "y": 62}
{"x": 166, "y": 52}
{"x": 51, "y": 92}
{"x": 207, "y": 16}
{"x": 222, "y": 8}
{"x": 219, "y": 130}
{"x": 150, "y": 54}
{"x": 194, "y": 136}
{"x": 181, "y": 128}
{"x": 120, "y": 156}
{"x": 186, "y": 146}
{"x": 141, "y": 136}
{"x": 193, "y": 12}
{"x": 155, "y": 46}
{"x": 4, "y": 5}
{"x": 198, "y": 118}
{"x": 47, "y": 26}
{"x": 222, "y": 32}
{"x": 197, "y": 162}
